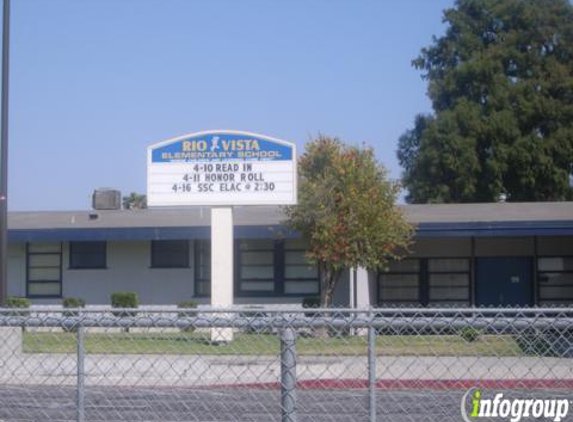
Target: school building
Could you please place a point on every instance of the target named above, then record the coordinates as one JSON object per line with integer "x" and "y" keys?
{"x": 498, "y": 254}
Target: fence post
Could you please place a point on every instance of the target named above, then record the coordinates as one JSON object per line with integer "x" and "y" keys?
{"x": 372, "y": 368}
{"x": 80, "y": 396}
{"x": 288, "y": 375}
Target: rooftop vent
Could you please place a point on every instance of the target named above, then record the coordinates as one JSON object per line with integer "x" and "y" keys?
{"x": 106, "y": 199}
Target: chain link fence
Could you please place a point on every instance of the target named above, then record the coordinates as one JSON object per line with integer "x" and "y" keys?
{"x": 279, "y": 365}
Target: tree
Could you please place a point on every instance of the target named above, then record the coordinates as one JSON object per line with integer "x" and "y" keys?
{"x": 134, "y": 201}
{"x": 501, "y": 85}
{"x": 346, "y": 211}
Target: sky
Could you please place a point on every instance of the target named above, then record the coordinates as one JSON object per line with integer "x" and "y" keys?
{"x": 93, "y": 83}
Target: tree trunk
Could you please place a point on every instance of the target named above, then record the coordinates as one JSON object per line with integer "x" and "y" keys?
{"x": 329, "y": 279}
{"x": 328, "y": 282}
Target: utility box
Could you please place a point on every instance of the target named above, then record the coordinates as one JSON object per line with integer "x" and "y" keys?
{"x": 106, "y": 199}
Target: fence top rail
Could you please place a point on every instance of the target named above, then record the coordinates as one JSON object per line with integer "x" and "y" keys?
{"x": 278, "y": 321}
{"x": 294, "y": 310}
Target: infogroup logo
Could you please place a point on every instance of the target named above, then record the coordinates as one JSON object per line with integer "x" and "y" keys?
{"x": 512, "y": 409}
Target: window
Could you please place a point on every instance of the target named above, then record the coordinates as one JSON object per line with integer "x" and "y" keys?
{"x": 401, "y": 283}
{"x": 300, "y": 277}
{"x": 87, "y": 255}
{"x": 263, "y": 268}
{"x": 202, "y": 268}
{"x": 555, "y": 275}
{"x": 170, "y": 254}
{"x": 449, "y": 280}
{"x": 256, "y": 263}
{"x": 426, "y": 281}
{"x": 44, "y": 269}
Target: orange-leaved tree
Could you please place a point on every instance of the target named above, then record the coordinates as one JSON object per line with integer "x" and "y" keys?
{"x": 346, "y": 211}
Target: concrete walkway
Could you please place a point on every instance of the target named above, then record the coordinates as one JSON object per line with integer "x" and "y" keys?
{"x": 170, "y": 370}
{"x": 195, "y": 370}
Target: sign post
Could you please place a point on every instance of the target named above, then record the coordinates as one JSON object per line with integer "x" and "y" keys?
{"x": 221, "y": 266}
{"x": 221, "y": 169}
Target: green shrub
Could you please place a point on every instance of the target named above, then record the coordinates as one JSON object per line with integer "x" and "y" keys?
{"x": 17, "y": 302}
{"x": 124, "y": 300}
{"x": 252, "y": 313}
{"x": 536, "y": 343}
{"x": 469, "y": 334}
{"x": 73, "y": 302}
{"x": 187, "y": 309}
{"x": 19, "y": 305}
{"x": 311, "y": 302}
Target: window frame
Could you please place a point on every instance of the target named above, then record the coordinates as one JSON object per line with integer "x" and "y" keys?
{"x": 276, "y": 290}
{"x": 74, "y": 266}
{"x": 385, "y": 302}
{"x": 539, "y": 278}
{"x": 467, "y": 272}
{"x": 196, "y": 268}
{"x": 286, "y": 279}
{"x": 279, "y": 271}
{"x": 153, "y": 254}
{"x": 60, "y": 268}
{"x": 424, "y": 286}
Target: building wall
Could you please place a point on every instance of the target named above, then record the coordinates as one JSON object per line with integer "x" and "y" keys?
{"x": 16, "y": 269}
{"x": 555, "y": 245}
{"x": 492, "y": 246}
{"x": 129, "y": 269}
{"x": 437, "y": 247}
{"x": 556, "y": 248}
{"x": 504, "y": 246}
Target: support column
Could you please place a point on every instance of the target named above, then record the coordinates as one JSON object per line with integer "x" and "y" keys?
{"x": 363, "y": 299}
{"x": 222, "y": 266}
{"x": 362, "y": 294}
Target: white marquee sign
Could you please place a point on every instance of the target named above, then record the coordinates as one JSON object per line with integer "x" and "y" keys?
{"x": 221, "y": 168}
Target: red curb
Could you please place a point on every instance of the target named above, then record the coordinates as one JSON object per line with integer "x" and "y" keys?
{"x": 413, "y": 384}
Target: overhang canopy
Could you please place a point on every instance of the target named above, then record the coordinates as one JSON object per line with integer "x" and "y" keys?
{"x": 443, "y": 220}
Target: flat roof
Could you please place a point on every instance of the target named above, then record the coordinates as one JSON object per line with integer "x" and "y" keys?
{"x": 489, "y": 212}
{"x": 484, "y": 219}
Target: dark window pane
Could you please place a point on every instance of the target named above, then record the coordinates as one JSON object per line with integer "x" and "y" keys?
{"x": 44, "y": 272}
{"x": 399, "y": 287}
{"x": 300, "y": 276}
{"x": 87, "y": 255}
{"x": 302, "y": 287}
{"x": 202, "y": 267}
{"x": 45, "y": 289}
{"x": 170, "y": 253}
{"x": 256, "y": 266}
{"x": 555, "y": 264}
{"x": 450, "y": 280}
{"x": 404, "y": 266}
{"x": 446, "y": 265}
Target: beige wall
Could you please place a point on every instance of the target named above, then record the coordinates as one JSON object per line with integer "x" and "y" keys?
{"x": 17, "y": 269}
{"x": 489, "y": 247}
{"x": 128, "y": 269}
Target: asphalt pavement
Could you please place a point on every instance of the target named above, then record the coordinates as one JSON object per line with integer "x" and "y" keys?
{"x": 58, "y": 403}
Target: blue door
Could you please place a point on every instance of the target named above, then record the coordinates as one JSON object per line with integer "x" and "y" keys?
{"x": 504, "y": 282}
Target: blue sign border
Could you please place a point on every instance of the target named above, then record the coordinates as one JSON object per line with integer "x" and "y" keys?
{"x": 221, "y": 146}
